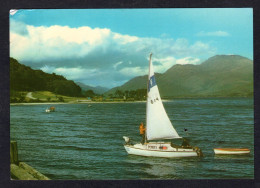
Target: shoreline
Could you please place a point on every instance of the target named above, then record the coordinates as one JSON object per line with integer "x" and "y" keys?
{"x": 87, "y": 102}
{"x": 110, "y": 102}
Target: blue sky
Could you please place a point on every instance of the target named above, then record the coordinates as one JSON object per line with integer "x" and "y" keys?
{"x": 107, "y": 47}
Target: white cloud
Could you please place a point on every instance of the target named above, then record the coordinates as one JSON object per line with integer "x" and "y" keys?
{"x": 61, "y": 42}
{"x": 70, "y": 73}
{"x": 160, "y": 65}
{"x": 214, "y": 33}
{"x": 133, "y": 71}
{"x": 56, "y": 42}
{"x": 124, "y": 39}
{"x": 54, "y": 34}
{"x": 163, "y": 64}
{"x": 48, "y": 69}
{"x": 188, "y": 60}
{"x": 116, "y": 64}
{"x": 200, "y": 48}
{"x": 84, "y": 52}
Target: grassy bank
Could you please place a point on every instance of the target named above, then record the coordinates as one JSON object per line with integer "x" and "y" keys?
{"x": 40, "y": 97}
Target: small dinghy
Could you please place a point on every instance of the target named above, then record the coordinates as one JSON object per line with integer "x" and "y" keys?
{"x": 231, "y": 151}
{"x": 51, "y": 109}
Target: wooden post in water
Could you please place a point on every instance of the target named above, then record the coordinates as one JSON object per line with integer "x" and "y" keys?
{"x": 21, "y": 170}
{"x": 13, "y": 153}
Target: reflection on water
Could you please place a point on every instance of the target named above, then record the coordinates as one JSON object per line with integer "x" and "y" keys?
{"x": 161, "y": 168}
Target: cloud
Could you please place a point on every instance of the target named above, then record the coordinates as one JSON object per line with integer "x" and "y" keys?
{"x": 70, "y": 73}
{"x": 117, "y": 64}
{"x": 124, "y": 39}
{"x": 163, "y": 64}
{"x": 214, "y": 34}
{"x": 200, "y": 48}
{"x": 56, "y": 42}
{"x": 133, "y": 71}
{"x": 188, "y": 60}
{"x": 92, "y": 54}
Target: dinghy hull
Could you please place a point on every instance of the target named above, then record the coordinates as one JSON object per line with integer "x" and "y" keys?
{"x": 143, "y": 150}
{"x": 231, "y": 151}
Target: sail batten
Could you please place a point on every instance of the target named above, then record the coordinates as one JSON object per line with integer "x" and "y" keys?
{"x": 158, "y": 124}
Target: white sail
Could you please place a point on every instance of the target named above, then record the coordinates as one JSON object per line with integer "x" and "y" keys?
{"x": 158, "y": 124}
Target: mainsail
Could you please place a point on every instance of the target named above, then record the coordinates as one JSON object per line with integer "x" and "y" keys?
{"x": 158, "y": 125}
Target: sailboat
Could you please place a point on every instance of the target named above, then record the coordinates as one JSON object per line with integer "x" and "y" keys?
{"x": 158, "y": 129}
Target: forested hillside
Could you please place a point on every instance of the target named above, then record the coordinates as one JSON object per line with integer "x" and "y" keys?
{"x": 23, "y": 78}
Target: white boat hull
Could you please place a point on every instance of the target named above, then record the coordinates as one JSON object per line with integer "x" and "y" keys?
{"x": 231, "y": 151}
{"x": 143, "y": 150}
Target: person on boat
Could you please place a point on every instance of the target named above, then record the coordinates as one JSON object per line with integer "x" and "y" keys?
{"x": 142, "y": 131}
{"x": 185, "y": 143}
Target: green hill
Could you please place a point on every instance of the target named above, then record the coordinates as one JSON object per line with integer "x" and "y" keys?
{"x": 23, "y": 78}
{"x": 219, "y": 76}
{"x": 139, "y": 82}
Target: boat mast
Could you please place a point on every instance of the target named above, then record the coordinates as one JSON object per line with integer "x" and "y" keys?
{"x": 150, "y": 60}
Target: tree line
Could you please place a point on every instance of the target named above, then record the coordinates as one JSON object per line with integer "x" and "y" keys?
{"x": 138, "y": 94}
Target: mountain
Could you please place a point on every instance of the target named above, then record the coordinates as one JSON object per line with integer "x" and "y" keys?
{"x": 98, "y": 89}
{"x": 23, "y": 78}
{"x": 138, "y": 82}
{"x": 219, "y": 76}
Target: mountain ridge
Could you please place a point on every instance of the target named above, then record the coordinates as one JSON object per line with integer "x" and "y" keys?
{"x": 218, "y": 76}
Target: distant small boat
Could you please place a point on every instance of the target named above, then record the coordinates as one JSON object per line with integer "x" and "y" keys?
{"x": 231, "y": 151}
{"x": 51, "y": 109}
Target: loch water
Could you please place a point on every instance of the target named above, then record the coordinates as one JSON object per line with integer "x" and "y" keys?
{"x": 83, "y": 142}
